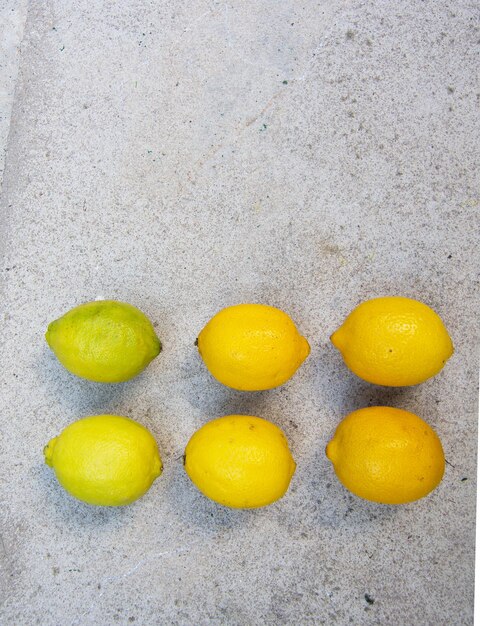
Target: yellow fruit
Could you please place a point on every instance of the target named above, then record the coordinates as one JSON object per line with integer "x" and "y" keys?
{"x": 106, "y": 460}
{"x": 393, "y": 341}
{"x": 240, "y": 461}
{"x": 386, "y": 455}
{"x": 252, "y": 347}
{"x": 104, "y": 341}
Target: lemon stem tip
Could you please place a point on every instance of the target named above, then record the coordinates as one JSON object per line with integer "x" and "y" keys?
{"x": 330, "y": 451}
{"x": 48, "y": 451}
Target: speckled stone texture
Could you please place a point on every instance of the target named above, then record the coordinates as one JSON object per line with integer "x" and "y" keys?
{"x": 12, "y": 21}
{"x": 184, "y": 156}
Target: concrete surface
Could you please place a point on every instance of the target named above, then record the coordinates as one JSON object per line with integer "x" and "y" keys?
{"x": 183, "y": 156}
{"x": 12, "y": 21}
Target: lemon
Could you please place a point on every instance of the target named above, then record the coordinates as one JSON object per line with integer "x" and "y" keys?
{"x": 240, "y": 461}
{"x": 393, "y": 341}
{"x": 104, "y": 341}
{"x": 106, "y": 460}
{"x": 386, "y": 455}
{"x": 252, "y": 347}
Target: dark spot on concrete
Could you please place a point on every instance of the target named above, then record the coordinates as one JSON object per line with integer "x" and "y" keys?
{"x": 196, "y": 342}
{"x": 131, "y": 618}
{"x": 449, "y": 256}
{"x": 369, "y": 598}
{"x": 350, "y": 34}
{"x": 450, "y": 89}
{"x": 56, "y": 571}
{"x": 184, "y": 458}
{"x": 464, "y": 479}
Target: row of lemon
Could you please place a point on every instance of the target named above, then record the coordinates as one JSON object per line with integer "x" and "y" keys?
{"x": 380, "y": 453}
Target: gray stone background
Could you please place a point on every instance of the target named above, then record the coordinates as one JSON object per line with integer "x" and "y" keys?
{"x": 184, "y": 156}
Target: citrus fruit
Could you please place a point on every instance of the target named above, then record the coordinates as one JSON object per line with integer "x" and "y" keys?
{"x": 240, "y": 461}
{"x": 252, "y": 347}
{"x": 106, "y": 460}
{"x": 386, "y": 455}
{"x": 393, "y": 341}
{"x": 105, "y": 341}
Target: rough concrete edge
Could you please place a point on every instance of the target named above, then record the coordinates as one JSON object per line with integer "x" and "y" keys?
{"x": 12, "y": 18}
{"x": 13, "y": 30}
{"x": 23, "y": 8}
{"x": 9, "y": 87}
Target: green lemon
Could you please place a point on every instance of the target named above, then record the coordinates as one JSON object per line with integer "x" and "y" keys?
{"x": 105, "y": 341}
{"x": 106, "y": 460}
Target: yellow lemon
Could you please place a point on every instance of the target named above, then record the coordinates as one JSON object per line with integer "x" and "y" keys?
{"x": 393, "y": 341}
{"x": 106, "y": 460}
{"x": 252, "y": 347}
{"x": 240, "y": 461}
{"x": 105, "y": 341}
{"x": 386, "y": 455}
